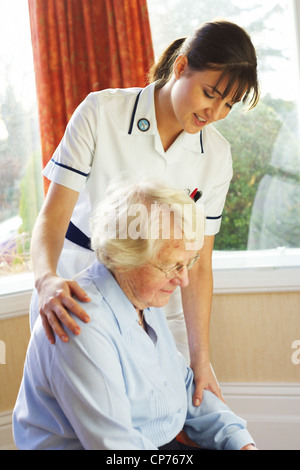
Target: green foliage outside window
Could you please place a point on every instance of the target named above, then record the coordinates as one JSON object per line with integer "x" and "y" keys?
{"x": 254, "y": 137}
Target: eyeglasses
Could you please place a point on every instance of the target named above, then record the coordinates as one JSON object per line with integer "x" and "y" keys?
{"x": 177, "y": 270}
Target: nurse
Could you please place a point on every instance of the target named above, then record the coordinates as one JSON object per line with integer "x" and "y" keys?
{"x": 162, "y": 131}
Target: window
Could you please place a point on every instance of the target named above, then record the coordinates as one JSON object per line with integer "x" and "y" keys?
{"x": 260, "y": 229}
{"x": 261, "y": 219}
{"x": 21, "y": 192}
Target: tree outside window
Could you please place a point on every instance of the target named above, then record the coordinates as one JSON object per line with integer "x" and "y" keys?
{"x": 262, "y": 209}
{"x": 21, "y": 192}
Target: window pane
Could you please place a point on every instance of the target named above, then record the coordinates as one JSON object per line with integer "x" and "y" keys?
{"x": 262, "y": 210}
{"x": 21, "y": 191}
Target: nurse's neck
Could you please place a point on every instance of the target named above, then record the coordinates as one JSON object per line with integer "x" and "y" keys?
{"x": 168, "y": 127}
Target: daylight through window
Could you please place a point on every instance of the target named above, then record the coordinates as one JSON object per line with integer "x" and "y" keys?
{"x": 262, "y": 210}
{"x": 21, "y": 192}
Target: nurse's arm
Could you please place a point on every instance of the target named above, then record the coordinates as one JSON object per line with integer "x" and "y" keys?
{"x": 197, "y": 301}
{"x": 55, "y": 293}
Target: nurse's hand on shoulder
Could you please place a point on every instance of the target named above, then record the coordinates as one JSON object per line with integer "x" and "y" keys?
{"x": 56, "y": 299}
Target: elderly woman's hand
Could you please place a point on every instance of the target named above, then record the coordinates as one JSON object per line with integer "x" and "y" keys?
{"x": 205, "y": 379}
{"x": 55, "y": 302}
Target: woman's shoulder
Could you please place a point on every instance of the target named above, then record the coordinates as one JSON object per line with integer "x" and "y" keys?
{"x": 112, "y": 94}
{"x": 99, "y": 312}
{"x": 107, "y": 299}
{"x": 210, "y": 132}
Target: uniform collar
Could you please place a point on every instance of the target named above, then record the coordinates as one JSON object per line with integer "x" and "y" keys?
{"x": 143, "y": 121}
{"x": 193, "y": 142}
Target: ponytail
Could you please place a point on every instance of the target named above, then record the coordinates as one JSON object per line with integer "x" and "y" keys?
{"x": 163, "y": 68}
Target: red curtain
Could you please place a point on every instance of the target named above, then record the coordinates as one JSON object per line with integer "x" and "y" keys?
{"x": 81, "y": 46}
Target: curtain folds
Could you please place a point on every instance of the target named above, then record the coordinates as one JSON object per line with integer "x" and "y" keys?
{"x": 81, "y": 46}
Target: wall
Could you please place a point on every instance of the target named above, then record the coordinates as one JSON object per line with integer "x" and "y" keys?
{"x": 15, "y": 334}
{"x": 252, "y": 336}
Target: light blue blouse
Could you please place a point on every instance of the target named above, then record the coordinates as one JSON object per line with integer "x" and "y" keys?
{"x": 115, "y": 386}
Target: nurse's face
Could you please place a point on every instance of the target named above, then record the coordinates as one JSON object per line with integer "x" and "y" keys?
{"x": 149, "y": 285}
{"x": 195, "y": 101}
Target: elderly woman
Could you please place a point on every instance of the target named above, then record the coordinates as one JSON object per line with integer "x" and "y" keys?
{"x": 121, "y": 384}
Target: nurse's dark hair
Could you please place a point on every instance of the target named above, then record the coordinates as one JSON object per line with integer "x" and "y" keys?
{"x": 217, "y": 45}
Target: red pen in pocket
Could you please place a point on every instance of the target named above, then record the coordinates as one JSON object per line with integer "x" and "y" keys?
{"x": 193, "y": 193}
{"x": 196, "y": 194}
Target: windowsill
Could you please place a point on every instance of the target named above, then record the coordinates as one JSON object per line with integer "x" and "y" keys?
{"x": 255, "y": 280}
{"x": 16, "y": 284}
{"x": 275, "y": 270}
{"x": 234, "y": 272}
{"x": 15, "y": 295}
{"x": 279, "y": 257}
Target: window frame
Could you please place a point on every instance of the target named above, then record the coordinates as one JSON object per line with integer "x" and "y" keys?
{"x": 275, "y": 270}
{"x": 264, "y": 270}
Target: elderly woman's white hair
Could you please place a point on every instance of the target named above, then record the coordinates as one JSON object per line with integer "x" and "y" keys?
{"x": 130, "y": 225}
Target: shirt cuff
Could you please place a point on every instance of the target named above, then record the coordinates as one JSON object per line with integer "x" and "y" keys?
{"x": 238, "y": 440}
{"x": 212, "y": 225}
{"x": 65, "y": 176}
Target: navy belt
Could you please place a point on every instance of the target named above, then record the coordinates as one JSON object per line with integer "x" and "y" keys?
{"x": 75, "y": 235}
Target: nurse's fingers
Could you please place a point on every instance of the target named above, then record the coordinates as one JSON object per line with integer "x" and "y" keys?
{"x": 56, "y": 316}
{"x": 69, "y": 304}
{"x": 55, "y": 319}
{"x": 205, "y": 379}
{"x": 48, "y": 329}
{"x": 51, "y": 320}
{"x": 81, "y": 295}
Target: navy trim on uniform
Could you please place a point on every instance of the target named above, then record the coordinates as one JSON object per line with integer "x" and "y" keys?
{"x": 69, "y": 168}
{"x": 201, "y": 142}
{"x": 214, "y": 218}
{"x": 75, "y": 235}
{"x": 133, "y": 112}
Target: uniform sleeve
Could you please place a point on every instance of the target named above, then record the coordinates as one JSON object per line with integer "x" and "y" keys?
{"x": 72, "y": 160}
{"x": 215, "y": 202}
{"x": 213, "y": 425}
